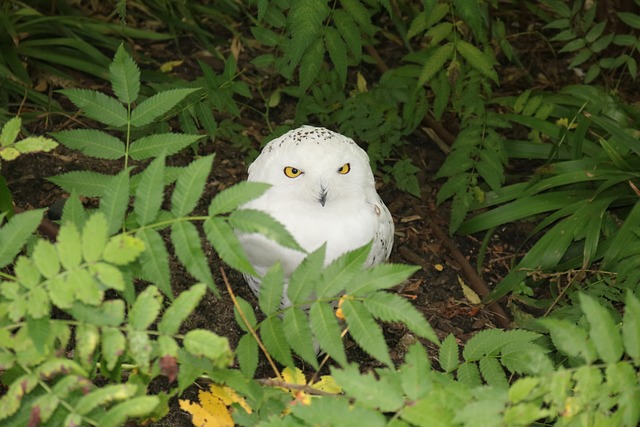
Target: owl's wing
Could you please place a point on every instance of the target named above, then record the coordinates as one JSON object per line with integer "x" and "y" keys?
{"x": 383, "y": 237}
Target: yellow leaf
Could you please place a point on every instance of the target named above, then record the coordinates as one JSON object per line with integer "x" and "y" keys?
{"x": 229, "y": 396}
{"x": 211, "y": 412}
{"x": 9, "y": 153}
{"x": 438, "y": 267}
{"x": 361, "y": 83}
{"x": 167, "y": 67}
{"x": 469, "y": 293}
{"x": 328, "y": 384}
{"x": 294, "y": 376}
{"x": 339, "y": 313}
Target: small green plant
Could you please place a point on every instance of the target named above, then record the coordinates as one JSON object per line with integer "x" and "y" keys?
{"x": 11, "y": 149}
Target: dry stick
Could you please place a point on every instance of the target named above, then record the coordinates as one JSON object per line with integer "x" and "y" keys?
{"x": 46, "y": 227}
{"x": 300, "y": 387}
{"x": 477, "y": 284}
{"x": 246, "y": 322}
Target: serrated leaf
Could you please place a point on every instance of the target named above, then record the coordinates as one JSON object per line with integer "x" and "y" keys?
{"x": 305, "y": 21}
{"x": 255, "y": 221}
{"x": 360, "y": 14}
{"x": 34, "y": 144}
{"x": 603, "y": 331}
{"x": 271, "y": 289}
{"x": 337, "y": 52}
{"x": 186, "y": 241}
{"x": 69, "y": 246}
{"x": 10, "y": 131}
{"x": 125, "y": 76}
{"x": 73, "y": 211}
{"x": 226, "y": 244}
{"x": 89, "y": 184}
{"x": 94, "y": 237}
{"x": 123, "y": 249}
{"x": 155, "y": 260}
{"x": 180, "y": 309}
{"x": 381, "y": 276}
{"x": 46, "y": 258}
{"x": 108, "y": 275}
{"x": 92, "y": 142}
{"x": 104, "y": 396}
{"x": 413, "y": 372}
{"x": 155, "y": 106}
{"x": 341, "y": 271}
{"x": 390, "y": 307}
{"x": 449, "y": 357}
{"x": 369, "y": 391}
{"x": 435, "y": 62}
{"x": 365, "y": 331}
{"x": 190, "y": 186}
{"x": 324, "y": 325}
{"x": 298, "y": 334}
{"x": 493, "y": 373}
{"x": 114, "y": 344}
{"x": 98, "y": 106}
{"x": 87, "y": 340}
{"x": 157, "y": 144}
{"x": 349, "y": 32}
{"x": 150, "y": 192}
{"x": 115, "y": 201}
{"x": 273, "y": 338}
{"x": 136, "y": 407}
{"x": 14, "y": 234}
{"x": 300, "y": 283}
{"x": 109, "y": 313}
{"x": 205, "y": 343}
{"x": 631, "y": 326}
{"x": 247, "y": 354}
{"x": 469, "y": 374}
{"x": 239, "y": 194}
{"x": 569, "y": 338}
{"x": 477, "y": 59}
{"x": 247, "y": 311}
{"x": 145, "y": 309}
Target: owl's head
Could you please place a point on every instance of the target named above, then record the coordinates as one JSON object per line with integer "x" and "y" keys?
{"x": 314, "y": 165}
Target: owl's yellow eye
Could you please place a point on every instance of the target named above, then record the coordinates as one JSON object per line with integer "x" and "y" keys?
{"x": 344, "y": 169}
{"x": 292, "y": 172}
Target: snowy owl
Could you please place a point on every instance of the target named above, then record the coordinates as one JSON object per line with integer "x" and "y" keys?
{"x": 323, "y": 191}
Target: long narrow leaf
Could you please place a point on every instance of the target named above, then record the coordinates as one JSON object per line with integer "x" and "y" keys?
{"x": 14, "y": 234}
{"x": 149, "y": 192}
{"x": 365, "y": 331}
{"x": 92, "y": 142}
{"x": 154, "y": 145}
{"x": 155, "y": 106}
{"x": 190, "y": 186}
{"x": 125, "y": 76}
{"x": 98, "y": 106}
{"x": 186, "y": 241}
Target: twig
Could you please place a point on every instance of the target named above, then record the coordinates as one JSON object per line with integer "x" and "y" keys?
{"x": 477, "y": 284}
{"x": 300, "y": 387}
{"x": 246, "y": 322}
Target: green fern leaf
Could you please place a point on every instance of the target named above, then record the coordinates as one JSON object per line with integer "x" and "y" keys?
{"x": 300, "y": 284}
{"x": 207, "y": 119}
{"x": 435, "y": 62}
{"x": 393, "y": 308}
{"x": 88, "y": 184}
{"x": 365, "y": 331}
{"x": 459, "y": 209}
{"x": 631, "y": 327}
{"x": 180, "y": 309}
{"x": 247, "y": 310}
{"x": 271, "y": 290}
{"x": 155, "y": 106}
{"x": 360, "y": 14}
{"x": 449, "y": 357}
{"x": 374, "y": 393}
{"x": 186, "y": 241}
{"x": 477, "y": 59}
{"x": 341, "y": 271}
{"x": 310, "y": 64}
{"x": 190, "y": 186}
{"x": 337, "y": 52}
{"x": 92, "y": 142}
{"x": 274, "y": 340}
{"x": 381, "y": 276}
{"x": 305, "y": 21}
{"x": 73, "y": 211}
{"x": 115, "y": 200}
{"x": 413, "y": 372}
{"x": 125, "y": 76}
{"x": 469, "y": 374}
{"x": 324, "y": 325}
{"x": 247, "y": 355}
{"x": 98, "y": 106}
{"x": 570, "y": 338}
{"x": 154, "y": 145}
{"x": 603, "y": 331}
{"x": 150, "y": 192}
{"x": 493, "y": 373}
{"x": 490, "y": 342}
{"x": 472, "y": 15}
{"x": 155, "y": 260}
{"x": 14, "y": 234}
{"x": 348, "y": 29}
{"x": 254, "y": 221}
{"x": 232, "y": 197}
{"x": 226, "y": 244}
{"x": 298, "y": 333}
{"x": 146, "y": 308}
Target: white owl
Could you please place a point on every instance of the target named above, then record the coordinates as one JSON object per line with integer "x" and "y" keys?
{"x": 323, "y": 191}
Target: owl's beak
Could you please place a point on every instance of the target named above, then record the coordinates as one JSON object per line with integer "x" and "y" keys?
{"x": 322, "y": 197}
